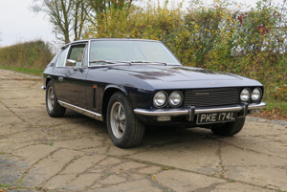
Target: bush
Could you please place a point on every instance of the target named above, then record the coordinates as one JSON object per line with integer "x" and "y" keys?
{"x": 218, "y": 38}
{"x": 30, "y": 55}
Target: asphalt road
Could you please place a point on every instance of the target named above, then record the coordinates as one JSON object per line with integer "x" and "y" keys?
{"x": 75, "y": 153}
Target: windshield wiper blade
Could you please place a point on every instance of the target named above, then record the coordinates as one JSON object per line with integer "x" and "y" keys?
{"x": 140, "y": 62}
{"x": 105, "y": 61}
{"x": 155, "y": 62}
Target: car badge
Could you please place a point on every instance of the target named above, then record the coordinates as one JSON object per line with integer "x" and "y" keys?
{"x": 212, "y": 83}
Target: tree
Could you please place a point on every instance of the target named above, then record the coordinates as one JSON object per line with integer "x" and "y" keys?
{"x": 101, "y": 7}
{"x": 67, "y": 16}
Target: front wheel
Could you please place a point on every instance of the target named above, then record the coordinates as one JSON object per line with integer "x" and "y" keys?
{"x": 124, "y": 128}
{"x": 54, "y": 109}
{"x": 229, "y": 129}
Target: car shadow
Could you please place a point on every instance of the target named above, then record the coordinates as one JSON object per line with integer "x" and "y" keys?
{"x": 153, "y": 136}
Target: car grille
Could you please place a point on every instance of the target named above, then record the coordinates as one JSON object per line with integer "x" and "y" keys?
{"x": 211, "y": 97}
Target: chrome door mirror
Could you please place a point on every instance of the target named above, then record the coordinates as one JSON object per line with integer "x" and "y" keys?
{"x": 71, "y": 62}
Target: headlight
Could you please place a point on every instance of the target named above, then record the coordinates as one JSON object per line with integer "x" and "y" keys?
{"x": 256, "y": 94}
{"x": 159, "y": 99}
{"x": 175, "y": 99}
{"x": 245, "y": 95}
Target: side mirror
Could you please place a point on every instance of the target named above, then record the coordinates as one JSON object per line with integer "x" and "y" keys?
{"x": 71, "y": 62}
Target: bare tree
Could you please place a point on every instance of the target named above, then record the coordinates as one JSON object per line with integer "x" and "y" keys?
{"x": 67, "y": 16}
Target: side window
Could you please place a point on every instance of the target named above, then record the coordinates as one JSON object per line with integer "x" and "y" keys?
{"x": 85, "y": 58}
{"x": 76, "y": 54}
{"x": 62, "y": 58}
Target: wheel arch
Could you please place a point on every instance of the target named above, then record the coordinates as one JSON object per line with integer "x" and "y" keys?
{"x": 108, "y": 92}
{"x": 48, "y": 79}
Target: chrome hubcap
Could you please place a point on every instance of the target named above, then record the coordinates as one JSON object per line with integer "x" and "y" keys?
{"x": 118, "y": 120}
{"x": 50, "y": 98}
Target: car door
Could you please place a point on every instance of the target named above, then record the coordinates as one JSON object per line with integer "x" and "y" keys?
{"x": 73, "y": 84}
{"x": 58, "y": 72}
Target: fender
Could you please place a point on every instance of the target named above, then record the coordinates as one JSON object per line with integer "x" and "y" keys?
{"x": 121, "y": 88}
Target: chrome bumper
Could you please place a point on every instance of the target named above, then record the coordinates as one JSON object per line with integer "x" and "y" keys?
{"x": 190, "y": 112}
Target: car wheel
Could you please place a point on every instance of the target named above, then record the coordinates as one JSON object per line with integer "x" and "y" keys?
{"x": 124, "y": 128}
{"x": 229, "y": 129}
{"x": 54, "y": 109}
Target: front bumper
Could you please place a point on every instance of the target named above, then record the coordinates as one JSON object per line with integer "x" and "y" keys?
{"x": 192, "y": 111}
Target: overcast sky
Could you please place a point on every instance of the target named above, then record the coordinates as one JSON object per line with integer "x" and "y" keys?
{"x": 19, "y": 24}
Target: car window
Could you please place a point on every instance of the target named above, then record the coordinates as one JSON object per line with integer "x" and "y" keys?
{"x": 85, "y": 58}
{"x": 129, "y": 50}
{"x": 76, "y": 54}
{"x": 62, "y": 58}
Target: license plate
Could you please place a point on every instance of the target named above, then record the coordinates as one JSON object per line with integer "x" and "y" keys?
{"x": 207, "y": 118}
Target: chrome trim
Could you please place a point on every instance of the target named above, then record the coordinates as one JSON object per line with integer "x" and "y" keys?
{"x": 88, "y": 113}
{"x": 186, "y": 111}
{"x": 89, "y": 48}
{"x": 43, "y": 87}
{"x": 219, "y": 109}
{"x": 257, "y": 106}
{"x": 161, "y": 112}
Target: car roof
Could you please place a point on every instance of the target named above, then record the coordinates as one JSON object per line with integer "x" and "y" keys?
{"x": 109, "y": 39}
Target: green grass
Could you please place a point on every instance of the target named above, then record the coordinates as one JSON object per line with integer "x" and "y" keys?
{"x": 279, "y": 106}
{"x": 50, "y": 144}
{"x": 24, "y": 70}
{"x": 5, "y": 186}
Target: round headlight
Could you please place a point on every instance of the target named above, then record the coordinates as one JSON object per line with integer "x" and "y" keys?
{"x": 256, "y": 94}
{"x": 245, "y": 95}
{"x": 159, "y": 99}
{"x": 175, "y": 98}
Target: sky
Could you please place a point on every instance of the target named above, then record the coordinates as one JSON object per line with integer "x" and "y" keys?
{"x": 19, "y": 24}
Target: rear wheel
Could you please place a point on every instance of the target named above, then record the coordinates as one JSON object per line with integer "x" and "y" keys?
{"x": 229, "y": 129}
{"x": 54, "y": 109}
{"x": 124, "y": 128}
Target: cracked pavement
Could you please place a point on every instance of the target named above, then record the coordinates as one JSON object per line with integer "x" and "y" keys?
{"x": 75, "y": 153}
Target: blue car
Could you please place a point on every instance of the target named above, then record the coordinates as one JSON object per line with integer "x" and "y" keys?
{"x": 134, "y": 83}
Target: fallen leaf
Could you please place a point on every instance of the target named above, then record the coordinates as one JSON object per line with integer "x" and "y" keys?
{"x": 153, "y": 178}
{"x": 142, "y": 173}
{"x": 121, "y": 168}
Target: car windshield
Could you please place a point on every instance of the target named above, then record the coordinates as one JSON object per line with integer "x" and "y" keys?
{"x": 108, "y": 52}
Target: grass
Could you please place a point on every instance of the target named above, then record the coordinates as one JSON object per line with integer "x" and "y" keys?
{"x": 280, "y": 107}
{"x": 5, "y": 186}
{"x": 24, "y": 70}
{"x": 50, "y": 144}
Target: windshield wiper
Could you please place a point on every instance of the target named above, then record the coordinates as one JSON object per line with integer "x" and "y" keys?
{"x": 109, "y": 62}
{"x": 155, "y": 62}
{"x": 102, "y": 61}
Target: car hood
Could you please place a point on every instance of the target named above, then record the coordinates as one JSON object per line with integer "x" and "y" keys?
{"x": 174, "y": 73}
{"x": 154, "y": 77}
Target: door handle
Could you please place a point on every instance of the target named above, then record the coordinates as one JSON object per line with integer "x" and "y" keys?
{"x": 60, "y": 78}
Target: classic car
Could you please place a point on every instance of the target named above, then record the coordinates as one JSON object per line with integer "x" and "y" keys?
{"x": 133, "y": 83}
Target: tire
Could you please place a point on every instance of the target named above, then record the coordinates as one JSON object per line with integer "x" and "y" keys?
{"x": 124, "y": 128}
{"x": 229, "y": 129}
{"x": 54, "y": 109}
